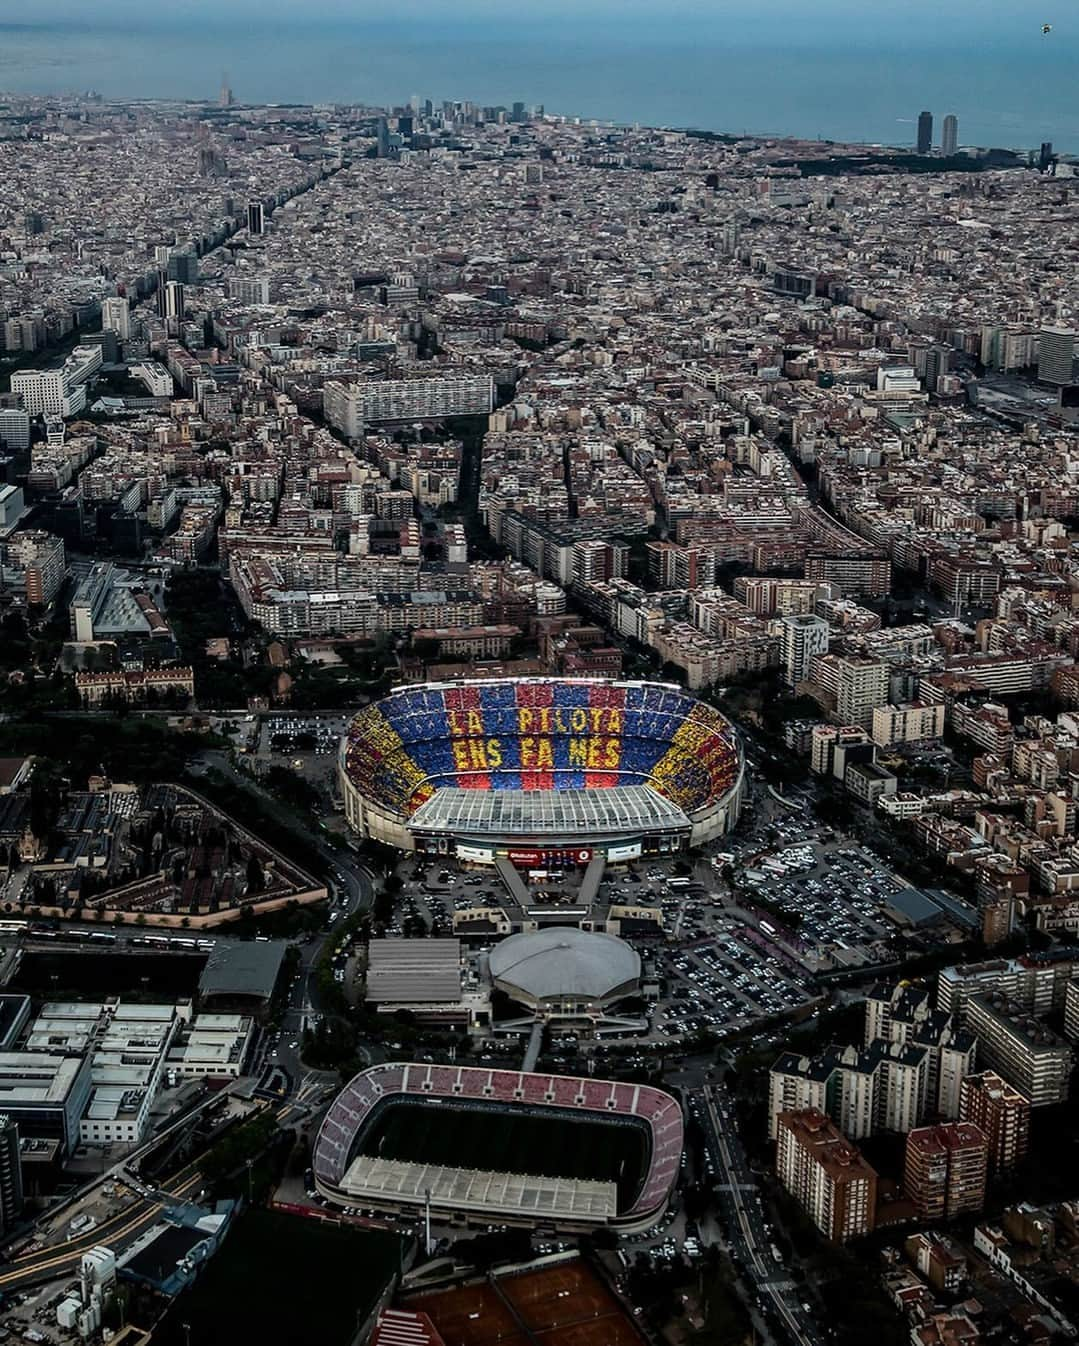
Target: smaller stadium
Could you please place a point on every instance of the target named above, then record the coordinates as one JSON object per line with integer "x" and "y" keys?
{"x": 548, "y": 1151}
{"x": 541, "y": 771}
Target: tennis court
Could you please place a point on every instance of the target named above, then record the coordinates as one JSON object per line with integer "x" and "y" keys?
{"x": 565, "y": 1304}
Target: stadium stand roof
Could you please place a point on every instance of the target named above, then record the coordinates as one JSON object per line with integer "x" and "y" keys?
{"x": 472, "y": 1189}
{"x": 568, "y": 814}
{"x": 244, "y": 968}
{"x": 414, "y": 971}
{"x": 564, "y": 963}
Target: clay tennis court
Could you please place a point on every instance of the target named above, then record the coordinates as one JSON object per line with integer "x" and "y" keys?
{"x": 561, "y": 1305}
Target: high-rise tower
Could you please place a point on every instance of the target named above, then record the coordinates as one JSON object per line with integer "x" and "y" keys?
{"x": 925, "y": 132}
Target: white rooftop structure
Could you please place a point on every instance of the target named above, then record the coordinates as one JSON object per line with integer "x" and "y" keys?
{"x": 465, "y": 1189}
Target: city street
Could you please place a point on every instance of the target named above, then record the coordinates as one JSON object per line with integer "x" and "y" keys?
{"x": 742, "y": 1216}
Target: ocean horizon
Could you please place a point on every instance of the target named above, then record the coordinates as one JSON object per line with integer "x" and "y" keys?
{"x": 793, "y": 75}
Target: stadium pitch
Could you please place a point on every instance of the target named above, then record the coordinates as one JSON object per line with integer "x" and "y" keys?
{"x": 544, "y": 1143}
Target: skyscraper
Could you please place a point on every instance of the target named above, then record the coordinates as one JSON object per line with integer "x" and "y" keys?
{"x": 801, "y": 637}
{"x": 174, "y": 300}
{"x": 183, "y": 265}
{"x": 1056, "y": 354}
{"x": 116, "y": 316}
{"x": 225, "y": 96}
{"x": 949, "y": 135}
{"x": 936, "y": 363}
{"x": 256, "y": 218}
{"x": 925, "y": 132}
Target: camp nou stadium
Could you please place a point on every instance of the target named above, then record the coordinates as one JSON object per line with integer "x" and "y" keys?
{"x": 548, "y": 1151}
{"x": 541, "y": 770}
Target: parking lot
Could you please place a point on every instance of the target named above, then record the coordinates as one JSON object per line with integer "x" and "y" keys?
{"x": 834, "y": 895}
{"x": 744, "y": 927}
{"x": 723, "y": 982}
{"x": 300, "y": 735}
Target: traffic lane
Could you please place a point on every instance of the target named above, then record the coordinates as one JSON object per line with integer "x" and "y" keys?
{"x": 746, "y": 1219}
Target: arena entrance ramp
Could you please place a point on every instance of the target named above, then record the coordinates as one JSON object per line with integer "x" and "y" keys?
{"x": 515, "y": 885}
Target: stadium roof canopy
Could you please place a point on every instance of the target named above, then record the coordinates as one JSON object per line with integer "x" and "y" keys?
{"x": 472, "y": 1189}
{"x": 569, "y": 815}
{"x": 565, "y": 963}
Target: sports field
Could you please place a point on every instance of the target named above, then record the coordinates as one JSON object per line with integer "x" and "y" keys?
{"x": 561, "y": 1305}
{"x": 548, "y": 1145}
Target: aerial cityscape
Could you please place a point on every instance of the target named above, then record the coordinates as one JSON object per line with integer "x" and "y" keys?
{"x": 539, "y": 726}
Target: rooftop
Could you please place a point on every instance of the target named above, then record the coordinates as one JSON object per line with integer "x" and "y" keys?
{"x": 242, "y": 968}
{"x": 414, "y": 971}
{"x": 562, "y": 962}
{"x": 565, "y": 814}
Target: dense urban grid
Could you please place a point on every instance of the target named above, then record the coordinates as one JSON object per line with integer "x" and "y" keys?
{"x": 539, "y": 730}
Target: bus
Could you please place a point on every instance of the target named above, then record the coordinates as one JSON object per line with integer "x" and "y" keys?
{"x": 678, "y": 883}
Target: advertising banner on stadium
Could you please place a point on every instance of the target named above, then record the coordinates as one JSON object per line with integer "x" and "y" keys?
{"x": 536, "y": 858}
{"x": 615, "y": 853}
{"x": 477, "y": 855}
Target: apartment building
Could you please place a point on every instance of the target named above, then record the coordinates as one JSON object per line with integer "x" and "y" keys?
{"x": 945, "y": 1169}
{"x": 795, "y": 1084}
{"x": 1029, "y": 1055}
{"x": 825, "y": 1174}
{"x": 862, "y": 687}
{"x": 904, "y": 1086}
{"x": 1071, "y": 1009}
{"x": 911, "y": 723}
{"x": 38, "y": 561}
{"x": 1001, "y": 1113}
{"x": 425, "y": 399}
{"x": 802, "y": 637}
{"x": 1034, "y": 983}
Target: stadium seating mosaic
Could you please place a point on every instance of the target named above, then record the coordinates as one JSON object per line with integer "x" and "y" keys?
{"x": 540, "y": 735}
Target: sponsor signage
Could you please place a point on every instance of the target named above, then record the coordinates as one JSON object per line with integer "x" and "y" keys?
{"x": 624, "y": 852}
{"x": 536, "y": 859}
{"x": 477, "y": 855}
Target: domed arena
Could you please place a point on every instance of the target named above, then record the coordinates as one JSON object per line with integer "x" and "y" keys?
{"x": 566, "y": 971}
{"x": 541, "y": 770}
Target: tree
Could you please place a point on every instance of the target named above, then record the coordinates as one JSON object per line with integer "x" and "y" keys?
{"x": 256, "y": 880}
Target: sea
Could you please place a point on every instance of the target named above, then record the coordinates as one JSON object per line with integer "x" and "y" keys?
{"x": 854, "y": 70}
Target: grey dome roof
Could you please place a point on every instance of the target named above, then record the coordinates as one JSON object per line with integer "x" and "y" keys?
{"x": 564, "y": 962}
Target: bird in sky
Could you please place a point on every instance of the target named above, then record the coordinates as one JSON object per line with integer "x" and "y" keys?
{"x": 1047, "y": 28}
